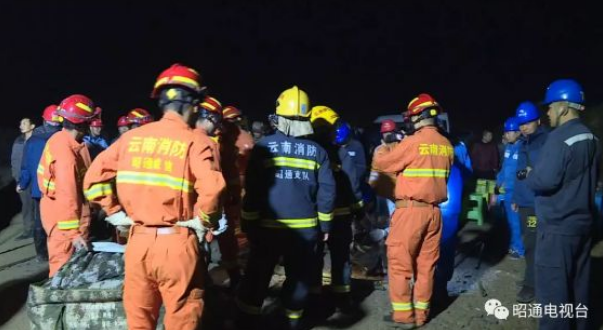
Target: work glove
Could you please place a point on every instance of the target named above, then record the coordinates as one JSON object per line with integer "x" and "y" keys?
{"x": 377, "y": 234}
{"x": 496, "y": 190}
{"x": 119, "y": 219}
{"x": 196, "y": 225}
{"x": 523, "y": 174}
{"x": 222, "y": 227}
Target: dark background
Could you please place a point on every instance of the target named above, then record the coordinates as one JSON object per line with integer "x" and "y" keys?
{"x": 363, "y": 58}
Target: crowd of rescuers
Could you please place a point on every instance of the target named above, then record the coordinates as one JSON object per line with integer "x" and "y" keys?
{"x": 290, "y": 189}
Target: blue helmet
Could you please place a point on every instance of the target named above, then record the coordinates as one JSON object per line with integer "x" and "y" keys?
{"x": 511, "y": 125}
{"x": 526, "y": 112}
{"x": 564, "y": 90}
{"x": 343, "y": 133}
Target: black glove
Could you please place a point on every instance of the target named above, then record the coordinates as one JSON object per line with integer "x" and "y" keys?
{"x": 522, "y": 175}
{"x": 359, "y": 213}
{"x": 496, "y": 190}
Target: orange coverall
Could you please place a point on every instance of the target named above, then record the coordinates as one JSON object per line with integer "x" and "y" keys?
{"x": 383, "y": 183}
{"x": 163, "y": 172}
{"x": 63, "y": 208}
{"x": 236, "y": 145}
{"x": 422, "y": 162}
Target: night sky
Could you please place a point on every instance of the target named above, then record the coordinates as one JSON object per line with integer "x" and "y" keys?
{"x": 363, "y": 58}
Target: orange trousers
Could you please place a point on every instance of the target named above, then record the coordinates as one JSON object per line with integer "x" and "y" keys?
{"x": 413, "y": 248}
{"x": 229, "y": 247}
{"x": 60, "y": 248}
{"x": 163, "y": 265}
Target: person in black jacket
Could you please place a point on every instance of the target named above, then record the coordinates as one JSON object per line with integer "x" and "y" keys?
{"x": 348, "y": 205}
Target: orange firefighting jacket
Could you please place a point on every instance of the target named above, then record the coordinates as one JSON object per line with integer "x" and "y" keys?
{"x": 214, "y": 144}
{"x": 60, "y": 175}
{"x": 422, "y": 163}
{"x": 163, "y": 172}
{"x": 236, "y": 143}
{"x": 384, "y": 184}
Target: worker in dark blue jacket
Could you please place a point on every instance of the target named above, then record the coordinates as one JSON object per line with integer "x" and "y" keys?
{"x": 287, "y": 208}
{"x": 533, "y": 138}
{"x": 565, "y": 179}
{"x": 356, "y": 152}
{"x": 348, "y": 205}
{"x": 29, "y": 167}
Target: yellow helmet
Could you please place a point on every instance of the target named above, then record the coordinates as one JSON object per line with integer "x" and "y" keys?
{"x": 293, "y": 102}
{"x": 325, "y": 113}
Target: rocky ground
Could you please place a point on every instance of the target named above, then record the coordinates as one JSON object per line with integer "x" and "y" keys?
{"x": 482, "y": 272}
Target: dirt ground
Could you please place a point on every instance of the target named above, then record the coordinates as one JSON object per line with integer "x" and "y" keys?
{"x": 480, "y": 274}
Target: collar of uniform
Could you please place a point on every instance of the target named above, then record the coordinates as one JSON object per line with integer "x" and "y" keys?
{"x": 571, "y": 122}
{"x": 427, "y": 128}
{"x": 71, "y": 142}
{"x": 174, "y": 118}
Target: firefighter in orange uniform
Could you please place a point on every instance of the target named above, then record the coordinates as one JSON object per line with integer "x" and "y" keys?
{"x": 422, "y": 163}
{"x": 209, "y": 125}
{"x": 384, "y": 183}
{"x": 164, "y": 175}
{"x": 64, "y": 211}
{"x": 138, "y": 117}
{"x": 236, "y": 147}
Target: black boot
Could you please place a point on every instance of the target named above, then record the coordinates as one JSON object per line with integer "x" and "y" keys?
{"x": 526, "y": 295}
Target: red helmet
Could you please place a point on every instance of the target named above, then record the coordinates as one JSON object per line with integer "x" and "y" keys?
{"x": 78, "y": 109}
{"x": 178, "y": 75}
{"x": 211, "y": 109}
{"x": 122, "y": 121}
{"x": 211, "y": 104}
{"x": 96, "y": 123}
{"x": 231, "y": 113}
{"x": 422, "y": 103}
{"x": 139, "y": 116}
{"x": 50, "y": 114}
{"x": 387, "y": 126}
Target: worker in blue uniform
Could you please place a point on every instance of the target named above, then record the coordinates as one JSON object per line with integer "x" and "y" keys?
{"x": 287, "y": 207}
{"x": 348, "y": 205}
{"x": 532, "y": 140}
{"x": 505, "y": 184}
{"x": 451, "y": 209}
{"x": 565, "y": 180}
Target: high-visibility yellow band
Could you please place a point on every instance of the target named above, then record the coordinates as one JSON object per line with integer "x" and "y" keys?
{"x": 421, "y": 305}
{"x": 425, "y": 173}
{"x": 84, "y": 107}
{"x": 401, "y": 307}
{"x": 358, "y": 205}
{"x": 342, "y": 211}
{"x": 40, "y": 169}
{"x": 248, "y": 309}
{"x": 250, "y": 215}
{"x": 68, "y": 224}
{"x": 166, "y": 80}
{"x": 154, "y": 179}
{"x": 289, "y": 223}
{"x": 49, "y": 184}
{"x": 294, "y": 314}
{"x": 341, "y": 288}
{"x": 325, "y": 216}
{"x": 211, "y": 218}
{"x": 98, "y": 190}
{"x": 305, "y": 164}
